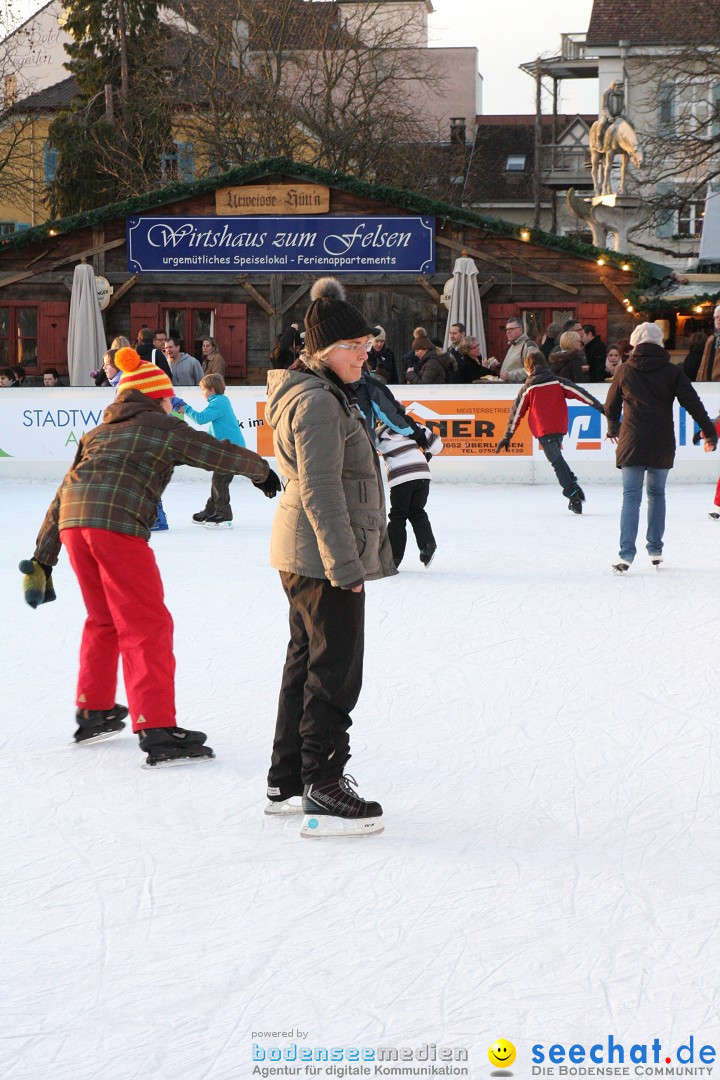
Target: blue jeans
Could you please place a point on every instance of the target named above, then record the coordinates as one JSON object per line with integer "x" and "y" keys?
{"x": 633, "y": 477}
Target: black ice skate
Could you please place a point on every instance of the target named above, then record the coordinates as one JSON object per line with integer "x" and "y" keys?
{"x": 281, "y": 803}
{"x": 620, "y": 566}
{"x": 332, "y": 808}
{"x": 656, "y": 560}
{"x": 577, "y": 498}
{"x": 427, "y": 554}
{"x": 95, "y": 725}
{"x": 218, "y": 521}
{"x": 173, "y": 746}
{"x": 201, "y": 517}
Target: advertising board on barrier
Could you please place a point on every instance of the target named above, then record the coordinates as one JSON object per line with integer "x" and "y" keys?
{"x": 388, "y": 245}
{"x": 46, "y": 425}
{"x": 467, "y": 428}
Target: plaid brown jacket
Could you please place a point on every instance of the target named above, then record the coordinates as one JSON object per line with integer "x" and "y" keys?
{"x": 123, "y": 466}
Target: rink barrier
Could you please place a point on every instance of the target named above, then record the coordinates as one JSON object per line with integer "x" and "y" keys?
{"x": 40, "y": 429}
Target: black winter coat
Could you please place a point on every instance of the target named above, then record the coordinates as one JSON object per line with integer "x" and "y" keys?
{"x": 644, "y": 388}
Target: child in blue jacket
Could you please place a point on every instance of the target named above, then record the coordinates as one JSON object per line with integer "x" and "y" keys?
{"x": 223, "y": 425}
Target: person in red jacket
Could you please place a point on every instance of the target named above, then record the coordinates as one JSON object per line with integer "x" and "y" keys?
{"x": 543, "y": 398}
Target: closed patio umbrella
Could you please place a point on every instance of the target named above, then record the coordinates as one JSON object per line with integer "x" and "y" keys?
{"x": 86, "y": 334}
{"x": 465, "y": 304}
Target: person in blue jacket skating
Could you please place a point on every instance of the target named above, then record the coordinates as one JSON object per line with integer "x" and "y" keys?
{"x": 223, "y": 425}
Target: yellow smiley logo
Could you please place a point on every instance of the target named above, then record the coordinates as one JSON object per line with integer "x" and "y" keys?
{"x": 502, "y": 1053}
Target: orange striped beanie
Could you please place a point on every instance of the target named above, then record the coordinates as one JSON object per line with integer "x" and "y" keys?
{"x": 137, "y": 374}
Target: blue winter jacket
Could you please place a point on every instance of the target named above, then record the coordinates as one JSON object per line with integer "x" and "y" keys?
{"x": 221, "y": 418}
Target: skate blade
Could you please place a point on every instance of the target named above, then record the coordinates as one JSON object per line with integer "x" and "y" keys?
{"x": 324, "y": 826}
{"x": 101, "y": 737}
{"x": 218, "y": 524}
{"x": 170, "y": 763}
{"x": 284, "y": 809}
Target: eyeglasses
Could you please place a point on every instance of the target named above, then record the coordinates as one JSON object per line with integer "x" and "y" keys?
{"x": 509, "y": 328}
{"x": 365, "y": 347}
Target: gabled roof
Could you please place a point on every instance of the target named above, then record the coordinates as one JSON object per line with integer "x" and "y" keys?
{"x": 273, "y": 168}
{"x": 52, "y": 98}
{"x": 496, "y": 139}
{"x": 654, "y": 22}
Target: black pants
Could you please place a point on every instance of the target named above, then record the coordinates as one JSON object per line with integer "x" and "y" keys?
{"x": 552, "y": 447}
{"x": 407, "y": 503}
{"x": 321, "y": 683}
{"x": 219, "y": 501}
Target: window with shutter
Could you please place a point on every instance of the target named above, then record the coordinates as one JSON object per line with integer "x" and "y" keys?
{"x": 666, "y": 217}
{"x": 666, "y": 108}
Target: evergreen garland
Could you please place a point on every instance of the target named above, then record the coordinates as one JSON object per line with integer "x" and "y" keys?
{"x": 647, "y": 273}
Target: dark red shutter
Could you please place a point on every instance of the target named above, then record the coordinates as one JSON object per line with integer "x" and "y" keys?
{"x": 231, "y": 337}
{"x": 594, "y": 315}
{"x": 143, "y": 315}
{"x": 53, "y": 321}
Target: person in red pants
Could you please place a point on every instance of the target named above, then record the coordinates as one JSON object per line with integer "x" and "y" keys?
{"x": 102, "y": 514}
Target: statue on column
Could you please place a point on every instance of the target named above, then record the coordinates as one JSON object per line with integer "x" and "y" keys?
{"x": 611, "y": 134}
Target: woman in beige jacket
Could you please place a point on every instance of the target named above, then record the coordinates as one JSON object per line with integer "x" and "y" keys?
{"x": 329, "y": 537}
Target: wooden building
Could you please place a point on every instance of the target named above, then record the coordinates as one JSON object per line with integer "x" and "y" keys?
{"x": 522, "y": 272}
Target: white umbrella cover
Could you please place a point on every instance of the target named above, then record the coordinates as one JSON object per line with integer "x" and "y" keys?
{"x": 465, "y": 306}
{"x": 86, "y": 333}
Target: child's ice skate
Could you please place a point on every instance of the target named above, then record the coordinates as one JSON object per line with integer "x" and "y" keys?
{"x": 96, "y": 725}
{"x": 218, "y": 521}
{"x": 173, "y": 746}
{"x": 279, "y": 807}
{"x": 332, "y": 808}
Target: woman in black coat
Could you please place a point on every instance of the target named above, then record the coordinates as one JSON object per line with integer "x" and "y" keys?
{"x": 644, "y": 389}
{"x": 691, "y": 363}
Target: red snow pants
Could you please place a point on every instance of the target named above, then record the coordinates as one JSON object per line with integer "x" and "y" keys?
{"x": 126, "y": 616}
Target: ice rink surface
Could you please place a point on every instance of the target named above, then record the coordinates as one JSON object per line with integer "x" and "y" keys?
{"x": 541, "y": 733}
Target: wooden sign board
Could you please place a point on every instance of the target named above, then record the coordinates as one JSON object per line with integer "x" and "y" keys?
{"x": 272, "y": 199}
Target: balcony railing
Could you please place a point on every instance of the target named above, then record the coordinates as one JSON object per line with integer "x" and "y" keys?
{"x": 572, "y": 46}
{"x": 565, "y": 166}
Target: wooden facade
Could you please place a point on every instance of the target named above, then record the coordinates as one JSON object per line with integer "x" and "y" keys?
{"x": 246, "y": 312}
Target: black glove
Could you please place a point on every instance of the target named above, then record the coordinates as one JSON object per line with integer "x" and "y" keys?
{"x": 270, "y": 485}
{"x": 420, "y": 437}
{"x": 504, "y": 444}
{"x": 37, "y": 582}
{"x": 697, "y": 437}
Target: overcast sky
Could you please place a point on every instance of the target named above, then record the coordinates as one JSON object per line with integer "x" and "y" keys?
{"x": 511, "y": 32}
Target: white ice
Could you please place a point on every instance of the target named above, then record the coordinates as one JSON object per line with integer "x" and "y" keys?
{"x": 542, "y": 736}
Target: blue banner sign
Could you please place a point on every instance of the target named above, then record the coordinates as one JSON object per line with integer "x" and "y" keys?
{"x": 261, "y": 245}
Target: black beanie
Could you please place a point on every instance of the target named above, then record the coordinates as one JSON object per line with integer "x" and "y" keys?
{"x": 331, "y": 318}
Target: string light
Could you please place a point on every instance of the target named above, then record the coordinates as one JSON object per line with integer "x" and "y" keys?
{"x": 601, "y": 262}
{"x": 524, "y": 234}
{"x": 626, "y": 266}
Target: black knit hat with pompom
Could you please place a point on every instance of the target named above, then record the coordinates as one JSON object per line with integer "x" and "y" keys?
{"x": 331, "y": 318}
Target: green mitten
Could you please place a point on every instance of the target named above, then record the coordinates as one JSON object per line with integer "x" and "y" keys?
{"x": 37, "y": 582}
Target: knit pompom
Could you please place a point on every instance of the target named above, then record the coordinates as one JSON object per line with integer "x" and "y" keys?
{"x": 327, "y": 288}
{"x": 127, "y": 360}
